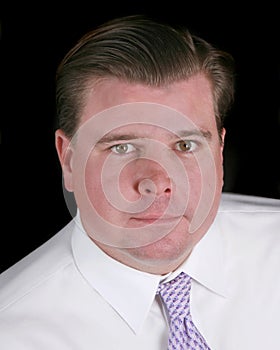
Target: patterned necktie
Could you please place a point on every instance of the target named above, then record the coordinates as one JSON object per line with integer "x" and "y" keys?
{"x": 176, "y": 296}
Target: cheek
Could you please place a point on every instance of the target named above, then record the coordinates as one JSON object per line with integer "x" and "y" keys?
{"x": 127, "y": 184}
{"x": 109, "y": 188}
{"x": 93, "y": 186}
{"x": 194, "y": 189}
{"x": 205, "y": 184}
{"x": 205, "y": 178}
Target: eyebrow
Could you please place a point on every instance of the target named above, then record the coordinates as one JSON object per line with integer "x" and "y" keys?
{"x": 196, "y": 132}
{"x": 115, "y": 136}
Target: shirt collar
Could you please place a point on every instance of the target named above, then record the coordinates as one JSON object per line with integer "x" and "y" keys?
{"x": 131, "y": 292}
{"x": 206, "y": 264}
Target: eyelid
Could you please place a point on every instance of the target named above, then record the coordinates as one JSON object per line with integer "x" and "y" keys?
{"x": 195, "y": 144}
{"x": 131, "y": 147}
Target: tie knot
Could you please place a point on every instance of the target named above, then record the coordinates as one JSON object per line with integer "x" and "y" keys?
{"x": 176, "y": 295}
{"x": 179, "y": 282}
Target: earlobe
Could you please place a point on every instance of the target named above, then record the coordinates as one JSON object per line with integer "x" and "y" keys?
{"x": 65, "y": 155}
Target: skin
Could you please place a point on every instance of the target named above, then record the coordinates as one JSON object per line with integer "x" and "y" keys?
{"x": 137, "y": 153}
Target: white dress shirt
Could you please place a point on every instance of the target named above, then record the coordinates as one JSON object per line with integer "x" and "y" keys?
{"x": 68, "y": 294}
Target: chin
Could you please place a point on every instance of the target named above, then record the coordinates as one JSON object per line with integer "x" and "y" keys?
{"x": 172, "y": 248}
{"x": 158, "y": 258}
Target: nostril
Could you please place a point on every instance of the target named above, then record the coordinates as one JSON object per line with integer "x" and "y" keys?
{"x": 147, "y": 186}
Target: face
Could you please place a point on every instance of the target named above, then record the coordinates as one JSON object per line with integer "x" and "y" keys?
{"x": 146, "y": 170}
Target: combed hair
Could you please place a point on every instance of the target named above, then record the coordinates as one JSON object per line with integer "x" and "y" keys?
{"x": 137, "y": 49}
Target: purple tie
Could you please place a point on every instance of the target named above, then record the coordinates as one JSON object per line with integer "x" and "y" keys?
{"x": 183, "y": 334}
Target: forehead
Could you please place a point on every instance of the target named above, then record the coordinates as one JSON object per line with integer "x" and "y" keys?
{"x": 148, "y": 131}
{"x": 136, "y": 120}
{"x": 192, "y": 98}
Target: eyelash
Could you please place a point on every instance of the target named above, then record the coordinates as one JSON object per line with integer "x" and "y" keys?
{"x": 193, "y": 144}
{"x": 114, "y": 148}
{"x": 129, "y": 147}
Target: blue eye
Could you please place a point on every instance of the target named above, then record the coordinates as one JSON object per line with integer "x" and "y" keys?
{"x": 123, "y": 148}
{"x": 186, "y": 146}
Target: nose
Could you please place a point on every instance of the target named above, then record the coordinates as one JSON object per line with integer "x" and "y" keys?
{"x": 155, "y": 184}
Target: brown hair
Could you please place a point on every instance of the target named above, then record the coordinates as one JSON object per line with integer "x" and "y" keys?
{"x": 138, "y": 49}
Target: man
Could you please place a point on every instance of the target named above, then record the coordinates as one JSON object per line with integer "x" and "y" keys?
{"x": 141, "y": 107}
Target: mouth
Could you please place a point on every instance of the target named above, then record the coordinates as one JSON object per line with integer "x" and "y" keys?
{"x": 156, "y": 219}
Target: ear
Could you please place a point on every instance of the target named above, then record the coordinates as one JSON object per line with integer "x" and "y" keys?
{"x": 65, "y": 154}
{"x": 223, "y": 134}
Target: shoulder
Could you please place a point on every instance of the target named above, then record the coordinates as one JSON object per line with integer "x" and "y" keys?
{"x": 250, "y": 234}
{"x": 37, "y": 267}
{"x": 233, "y": 202}
{"x": 245, "y": 217}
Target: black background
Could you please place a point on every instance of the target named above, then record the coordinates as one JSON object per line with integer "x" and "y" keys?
{"x": 34, "y": 40}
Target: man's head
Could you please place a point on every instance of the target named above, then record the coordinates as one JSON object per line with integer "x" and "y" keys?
{"x": 136, "y": 49}
{"x": 141, "y": 108}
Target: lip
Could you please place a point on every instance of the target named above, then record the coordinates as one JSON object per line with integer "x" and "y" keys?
{"x": 159, "y": 218}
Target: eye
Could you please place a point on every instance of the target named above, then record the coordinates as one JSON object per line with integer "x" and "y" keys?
{"x": 186, "y": 146}
{"x": 123, "y": 148}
